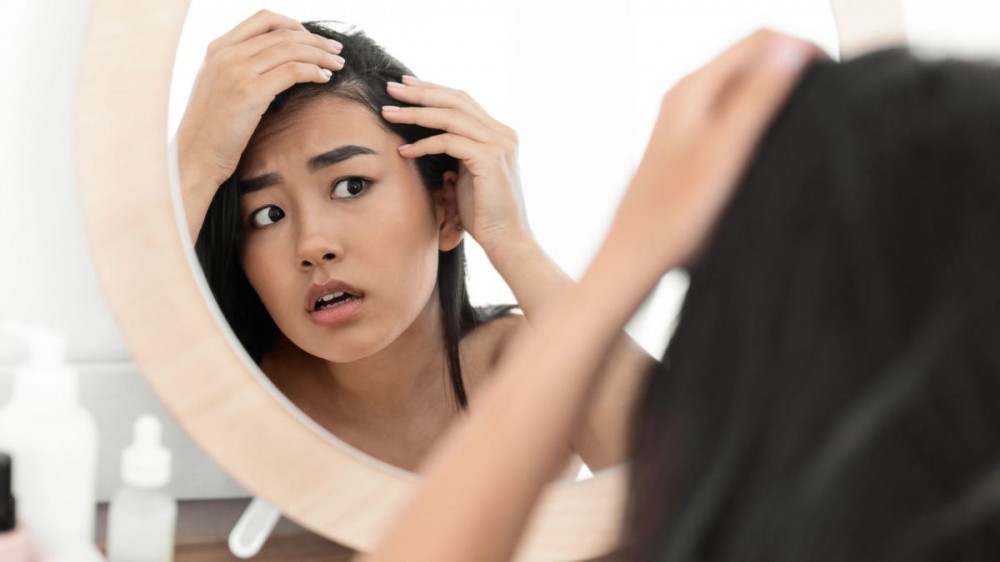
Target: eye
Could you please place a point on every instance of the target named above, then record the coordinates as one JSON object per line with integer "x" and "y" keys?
{"x": 266, "y": 216}
{"x": 350, "y": 187}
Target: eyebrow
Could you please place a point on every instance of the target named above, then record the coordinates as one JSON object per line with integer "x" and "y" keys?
{"x": 315, "y": 163}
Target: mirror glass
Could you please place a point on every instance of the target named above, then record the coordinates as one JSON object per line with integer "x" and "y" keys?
{"x": 580, "y": 83}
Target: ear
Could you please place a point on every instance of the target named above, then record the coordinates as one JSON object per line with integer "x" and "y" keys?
{"x": 450, "y": 230}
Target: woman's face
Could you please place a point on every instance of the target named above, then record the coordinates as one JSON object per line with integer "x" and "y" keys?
{"x": 340, "y": 236}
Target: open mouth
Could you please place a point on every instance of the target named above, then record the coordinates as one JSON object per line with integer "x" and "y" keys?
{"x": 333, "y": 299}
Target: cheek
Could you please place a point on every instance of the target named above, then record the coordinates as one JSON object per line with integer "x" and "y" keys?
{"x": 406, "y": 240}
{"x": 257, "y": 260}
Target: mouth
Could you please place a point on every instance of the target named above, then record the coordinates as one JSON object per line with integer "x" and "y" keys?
{"x": 334, "y": 293}
{"x": 331, "y": 300}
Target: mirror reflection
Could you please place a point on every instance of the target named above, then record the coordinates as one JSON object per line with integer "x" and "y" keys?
{"x": 337, "y": 202}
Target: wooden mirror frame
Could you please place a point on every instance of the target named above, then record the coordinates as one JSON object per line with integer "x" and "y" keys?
{"x": 187, "y": 353}
{"x": 189, "y": 356}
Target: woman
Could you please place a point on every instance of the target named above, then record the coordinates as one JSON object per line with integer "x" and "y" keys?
{"x": 830, "y": 392}
{"x": 334, "y": 245}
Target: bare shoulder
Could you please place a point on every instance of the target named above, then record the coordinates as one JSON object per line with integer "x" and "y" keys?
{"x": 482, "y": 347}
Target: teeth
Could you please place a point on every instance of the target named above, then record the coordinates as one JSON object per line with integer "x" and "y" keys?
{"x": 325, "y": 300}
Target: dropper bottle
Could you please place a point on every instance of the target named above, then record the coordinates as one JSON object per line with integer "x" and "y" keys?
{"x": 141, "y": 515}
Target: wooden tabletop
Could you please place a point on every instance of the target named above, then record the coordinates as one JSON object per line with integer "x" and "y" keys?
{"x": 300, "y": 547}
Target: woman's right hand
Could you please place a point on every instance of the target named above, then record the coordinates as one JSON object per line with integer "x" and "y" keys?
{"x": 707, "y": 131}
{"x": 243, "y": 71}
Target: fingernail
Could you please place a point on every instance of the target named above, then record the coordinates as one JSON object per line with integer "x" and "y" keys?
{"x": 337, "y": 46}
{"x": 404, "y": 147}
{"x": 396, "y": 85}
{"x": 787, "y": 55}
{"x": 339, "y": 59}
{"x": 407, "y": 79}
{"x": 327, "y": 73}
{"x": 390, "y": 108}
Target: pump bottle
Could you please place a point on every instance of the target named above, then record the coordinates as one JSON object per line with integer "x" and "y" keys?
{"x": 142, "y": 516}
{"x": 54, "y": 440}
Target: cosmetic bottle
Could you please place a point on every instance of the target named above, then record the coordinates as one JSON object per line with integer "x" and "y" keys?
{"x": 15, "y": 543}
{"x": 54, "y": 440}
{"x": 142, "y": 516}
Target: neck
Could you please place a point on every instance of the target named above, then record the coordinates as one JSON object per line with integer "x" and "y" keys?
{"x": 408, "y": 377}
{"x": 402, "y": 391}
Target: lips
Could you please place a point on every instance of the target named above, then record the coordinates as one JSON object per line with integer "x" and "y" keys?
{"x": 330, "y": 294}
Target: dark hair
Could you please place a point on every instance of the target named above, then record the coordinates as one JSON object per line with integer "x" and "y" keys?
{"x": 832, "y": 390}
{"x": 362, "y": 80}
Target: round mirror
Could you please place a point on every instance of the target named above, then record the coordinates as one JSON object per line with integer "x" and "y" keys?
{"x": 572, "y": 78}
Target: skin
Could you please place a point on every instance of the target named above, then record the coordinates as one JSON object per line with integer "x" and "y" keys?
{"x": 484, "y": 478}
{"x": 383, "y": 240}
{"x": 378, "y": 385}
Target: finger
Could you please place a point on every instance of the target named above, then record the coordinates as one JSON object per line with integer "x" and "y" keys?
{"x": 450, "y": 120}
{"x": 287, "y": 75}
{"x": 463, "y": 148}
{"x": 259, "y": 43}
{"x": 740, "y": 124}
{"x": 257, "y": 24}
{"x": 764, "y": 89}
{"x": 713, "y": 82}
{"x": 283, "y": 53}
{"x": 432, "y": 95}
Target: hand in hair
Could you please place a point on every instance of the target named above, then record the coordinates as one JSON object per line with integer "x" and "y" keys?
{"x": 243, "y": 71}
{"x": 488, "y": 189}
{"x": 484, "y": 479}
{"x": 490, "y": 207}
{"x": 705, "y": 135}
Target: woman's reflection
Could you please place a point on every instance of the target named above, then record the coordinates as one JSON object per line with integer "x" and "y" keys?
{"x": 334, "y": 197}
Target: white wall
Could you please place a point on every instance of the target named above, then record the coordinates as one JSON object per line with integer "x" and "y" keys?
{"x": 579, "y": 79}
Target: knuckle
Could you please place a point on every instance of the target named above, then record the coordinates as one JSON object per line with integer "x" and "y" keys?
{"x": 681, "y": 85}
{"x": 283, "y": 50}
{"x": 766, "y": 36}
{"x": 213, "y": 48}
{"x": 512, "y": 135}
{"x": 301, "y": 71}
{"x": 243, "y": 88}
{"x": 221, "y": 57}
{"x": 498, "y": 154}
{"x": 458, "y": 95}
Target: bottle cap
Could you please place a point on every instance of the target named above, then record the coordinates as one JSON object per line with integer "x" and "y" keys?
{"x": 7, "y": 505}
{"x": 146, "y": 463}
{"x": 45, "y": 378}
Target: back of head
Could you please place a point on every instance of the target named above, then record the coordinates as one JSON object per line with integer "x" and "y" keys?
{"x": 832, "y": 391}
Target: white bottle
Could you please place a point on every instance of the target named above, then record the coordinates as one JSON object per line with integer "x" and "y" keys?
{"x": 142, "y": 516}
{"x": 54, "y": 440}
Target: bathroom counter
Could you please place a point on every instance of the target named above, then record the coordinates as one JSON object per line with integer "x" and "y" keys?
{"x": 203, "y": 529}
{"x": 300, "y": 547}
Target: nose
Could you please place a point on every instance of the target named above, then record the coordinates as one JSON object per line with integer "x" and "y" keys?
{"x": 317, "y": 244}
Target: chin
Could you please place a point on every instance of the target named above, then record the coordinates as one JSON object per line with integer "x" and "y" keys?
{"x": 347, "y": 347}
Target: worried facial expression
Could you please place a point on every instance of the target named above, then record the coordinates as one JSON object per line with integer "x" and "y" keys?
{"x": 340, "y": 235}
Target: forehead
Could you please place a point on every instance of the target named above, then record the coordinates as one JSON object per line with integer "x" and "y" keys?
{"x": 316, "y": 126}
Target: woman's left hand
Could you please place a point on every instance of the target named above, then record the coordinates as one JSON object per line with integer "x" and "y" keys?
{"x": 490, "y": 204}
